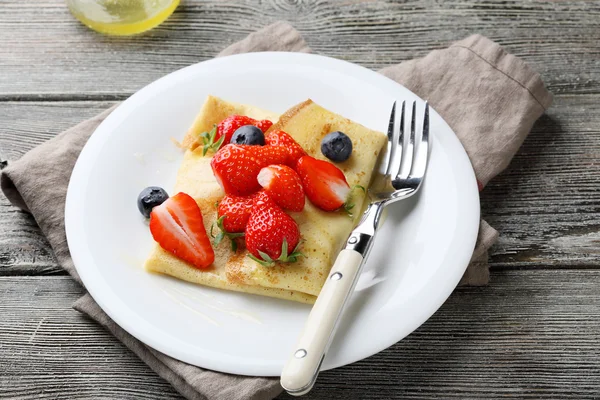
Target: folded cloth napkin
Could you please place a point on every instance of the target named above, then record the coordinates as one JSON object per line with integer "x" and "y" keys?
{"x": 490, "y": 98}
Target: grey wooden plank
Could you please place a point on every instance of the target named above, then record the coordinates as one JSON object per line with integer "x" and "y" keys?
{"x": 545, "y": 205}
{"x": 70, "y": 356}
{"x": 46, "y": 52}
{"x": 23, "y": 248}
{"x": 532, "y": 334}
{"x": 24, "y": 125}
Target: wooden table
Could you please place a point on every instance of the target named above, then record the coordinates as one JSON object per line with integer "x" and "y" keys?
{"x": 533, "y": 333}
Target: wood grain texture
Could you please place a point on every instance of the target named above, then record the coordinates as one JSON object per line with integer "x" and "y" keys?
{"x": 49, "y": 351}
{"x": 545, "y": 205}
{"x": 532, "y": 334}
{"x": 24, "y": 125}
{"x": 23, "y": 248}
{"x": 46, "y": 52}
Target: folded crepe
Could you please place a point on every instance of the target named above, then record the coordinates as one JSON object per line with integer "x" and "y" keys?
{"x": 323, "y": 233}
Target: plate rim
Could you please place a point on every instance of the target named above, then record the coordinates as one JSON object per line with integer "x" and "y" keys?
{"x": 120, "y": 113}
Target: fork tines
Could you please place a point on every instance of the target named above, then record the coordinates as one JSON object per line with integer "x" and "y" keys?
{"x": 407, "y": 160}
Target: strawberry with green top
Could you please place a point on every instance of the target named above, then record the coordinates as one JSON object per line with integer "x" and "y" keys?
{"x": 233, "y": 212}
{"x": 271, "y": 234}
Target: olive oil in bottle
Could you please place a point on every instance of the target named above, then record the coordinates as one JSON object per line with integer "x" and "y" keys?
{"x": 122, "y": 17}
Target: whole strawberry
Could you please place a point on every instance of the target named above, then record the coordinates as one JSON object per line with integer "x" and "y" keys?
{"x": 235, "y": 211}
{"x": 324, "y": 184}
{"x": 281, "y": 138}
{"x": 283, "y": 185}
{"x": 271, "y": 233}
{"x": 236, "y": 167}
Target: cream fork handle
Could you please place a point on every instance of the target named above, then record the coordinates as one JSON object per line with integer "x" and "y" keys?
{"x": 301, "y": 371}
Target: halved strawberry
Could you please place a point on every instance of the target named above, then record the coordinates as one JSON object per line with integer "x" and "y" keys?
{"x": 236, "y": 166}
{"x": 324, "y": 184}
{"x": 224, "y": 130}
{"x": 178, "y": 228}
{"x": 271, "y": 233}
{"x": 281, "y": 138}
{"x": 283, "y": 185}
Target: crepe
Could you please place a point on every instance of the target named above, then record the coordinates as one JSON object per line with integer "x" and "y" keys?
{"x": 323, "y": 233}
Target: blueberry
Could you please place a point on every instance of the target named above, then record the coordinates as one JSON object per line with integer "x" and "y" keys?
{"x": 248, "y": 134}
{"x": 336, "y": 146}
{"x": 149, "y": 198}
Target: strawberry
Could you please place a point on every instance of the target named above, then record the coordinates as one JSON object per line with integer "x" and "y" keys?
{"x": 225, "y": 129}
{"x": 236, "y": 166}
{"x": 271, "y": 232}
{"x": 230, "y": 124}
{"x": 283, "y": 185}
{"x": 235, "y": 211}
{"x": 324, "y": 183}
{"x": 263, "y": 125}
{"x": 280, "y": 138}
{"x": 271, "y": 154}
{"x": 178, "y": 228}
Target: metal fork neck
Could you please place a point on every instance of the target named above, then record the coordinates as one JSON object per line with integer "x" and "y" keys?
{"x": 361, "y": 238}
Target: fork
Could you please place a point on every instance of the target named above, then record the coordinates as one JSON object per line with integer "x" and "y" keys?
{"x": 399, "y": 175}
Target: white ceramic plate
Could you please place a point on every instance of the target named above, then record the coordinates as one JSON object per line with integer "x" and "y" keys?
{"x": 418, "y": 258}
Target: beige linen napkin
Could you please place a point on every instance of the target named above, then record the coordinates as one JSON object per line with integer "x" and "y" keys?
{"x": 490, "y": 98}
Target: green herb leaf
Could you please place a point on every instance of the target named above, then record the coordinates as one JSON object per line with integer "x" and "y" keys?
{"x": 284, "y": 257}
{"x": 265, "y": 256}
{"x": 264, "y": 263}
{"x": 348, "y": 208}
{"x": 219, "y": 238}
{"x": 349, "y": 205}
{"x": 208, "y": 140}
{"x": 218, "y": 144}
{"x": 359, "y": 187}
{"x": 289, "y": 258}
{"x": 223, "y": 233}
{"x": 284, "y": 251}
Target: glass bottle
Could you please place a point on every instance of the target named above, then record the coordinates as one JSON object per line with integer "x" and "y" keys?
{"x": 122, "y": 17}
